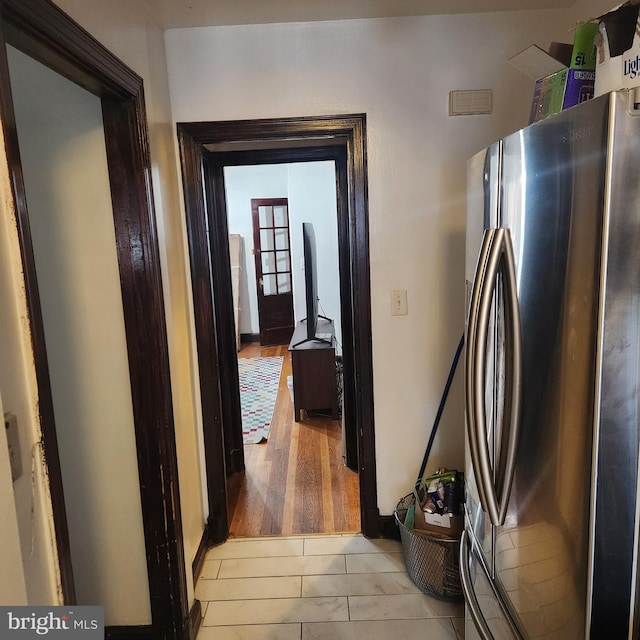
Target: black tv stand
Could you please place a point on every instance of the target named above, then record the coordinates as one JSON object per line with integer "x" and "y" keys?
{"x": 315, "y": 338}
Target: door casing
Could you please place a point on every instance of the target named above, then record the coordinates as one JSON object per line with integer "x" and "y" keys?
{"x": 208, "y": 144}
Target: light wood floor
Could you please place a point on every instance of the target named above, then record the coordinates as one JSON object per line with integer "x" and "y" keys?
{"x": 296, "y": 482}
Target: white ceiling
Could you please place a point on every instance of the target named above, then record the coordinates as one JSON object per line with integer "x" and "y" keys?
{"x": 201, "y": 13}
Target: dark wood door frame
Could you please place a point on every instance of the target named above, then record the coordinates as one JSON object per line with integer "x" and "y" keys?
{"x": 222, "y": 374}
{"x": 44, "y": 32}
{"x": 208, "y": 144}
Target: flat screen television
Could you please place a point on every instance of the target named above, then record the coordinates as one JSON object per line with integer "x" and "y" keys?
{"x": 310, "y": 285}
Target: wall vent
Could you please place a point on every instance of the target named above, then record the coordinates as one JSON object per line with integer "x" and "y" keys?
{"x": 469, "y": 102}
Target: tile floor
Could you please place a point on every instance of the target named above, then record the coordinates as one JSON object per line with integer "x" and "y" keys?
{"x": 330, "y": 587}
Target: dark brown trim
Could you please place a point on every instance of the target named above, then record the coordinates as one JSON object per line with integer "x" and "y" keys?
{"x": 201, "y": 552}
{"x": 226, "y": 335}
{"x": 129, "y": 632}
{"x": 146, "y": 632}
{"x": 41, "y": 30}
{"x": 349, "y": 388}
{"x": 343, "y": 136}
{"x": 143, "y": 307}
{"x": 361, "y": 315}
{"x": 207, "y": 347}
{"x": 195, "y": 620}
{"x": 389, "y": 528}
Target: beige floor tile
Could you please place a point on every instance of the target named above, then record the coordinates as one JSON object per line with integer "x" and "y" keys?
{"x": 349, "y": 544}
{"x": 399, "y": 607}
{"x": 434, "y": 629}
{"x": 252, "y": 548}
{"x": 210, "y": 569}
{"x": 338, "y": 587}
{"x": 283, "y": 610}
{"x": 288, "y": 566}
{"x": 249, "y": 588}
{"x": 358, "y": 584}
{"x": 375, "y": 563}
{"x": 442, "y": 608}
{"x": 252, "y": 632}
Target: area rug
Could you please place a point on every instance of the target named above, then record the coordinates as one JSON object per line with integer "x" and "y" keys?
{"x": 259, "y": 381}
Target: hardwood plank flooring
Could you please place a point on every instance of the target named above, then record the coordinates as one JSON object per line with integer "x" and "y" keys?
{"x": 296, "y": 482}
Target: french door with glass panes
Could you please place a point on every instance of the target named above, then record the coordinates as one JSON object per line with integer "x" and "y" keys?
{"x": 272, "y": 252}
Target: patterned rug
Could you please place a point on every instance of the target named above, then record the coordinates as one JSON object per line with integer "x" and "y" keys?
{"x": 259, "y": 380}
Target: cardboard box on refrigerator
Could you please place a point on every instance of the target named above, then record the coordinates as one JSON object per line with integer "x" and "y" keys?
{"x": 618, "y": 49}
{"x": 565, "y": 75}
{"x": 548, "y": 95}
{"x": 581, "y": 74}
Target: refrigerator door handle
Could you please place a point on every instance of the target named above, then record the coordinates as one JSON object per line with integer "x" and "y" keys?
{"x": 469, "y": 594}
{"x": 494, "y": 485}
{"x": 475, "y": 369}
{"x": 471, "y": 346}
{"x": 513, "y": 378}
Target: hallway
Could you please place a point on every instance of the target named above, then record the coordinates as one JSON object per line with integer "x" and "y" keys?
{"x": 339, "y": 587}
{"x": 296, "y": 482}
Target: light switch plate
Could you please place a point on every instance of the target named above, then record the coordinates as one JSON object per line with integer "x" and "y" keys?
{"x": 399, "y": 302}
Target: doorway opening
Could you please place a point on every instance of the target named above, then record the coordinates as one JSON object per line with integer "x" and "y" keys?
{"x": 295, "y": 479}
{"x": 206, "y": 148}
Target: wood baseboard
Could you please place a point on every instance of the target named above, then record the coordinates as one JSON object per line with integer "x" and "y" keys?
{"x": 129, "y": 632}
{"x": 195, "y": 620}
{"x": 201, "y": 552}
{"x": 388, "y": 528}
{"x": 190, "y": 629}
{"x": 371, "y": 521}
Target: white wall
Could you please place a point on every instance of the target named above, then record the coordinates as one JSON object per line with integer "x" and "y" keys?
{"x": 66, "y": 177}
{"x": 311, "y": 190}
{"x": 399, "y": 72}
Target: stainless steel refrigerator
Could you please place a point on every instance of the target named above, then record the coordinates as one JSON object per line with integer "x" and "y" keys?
{"x": 552, "y": 378}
